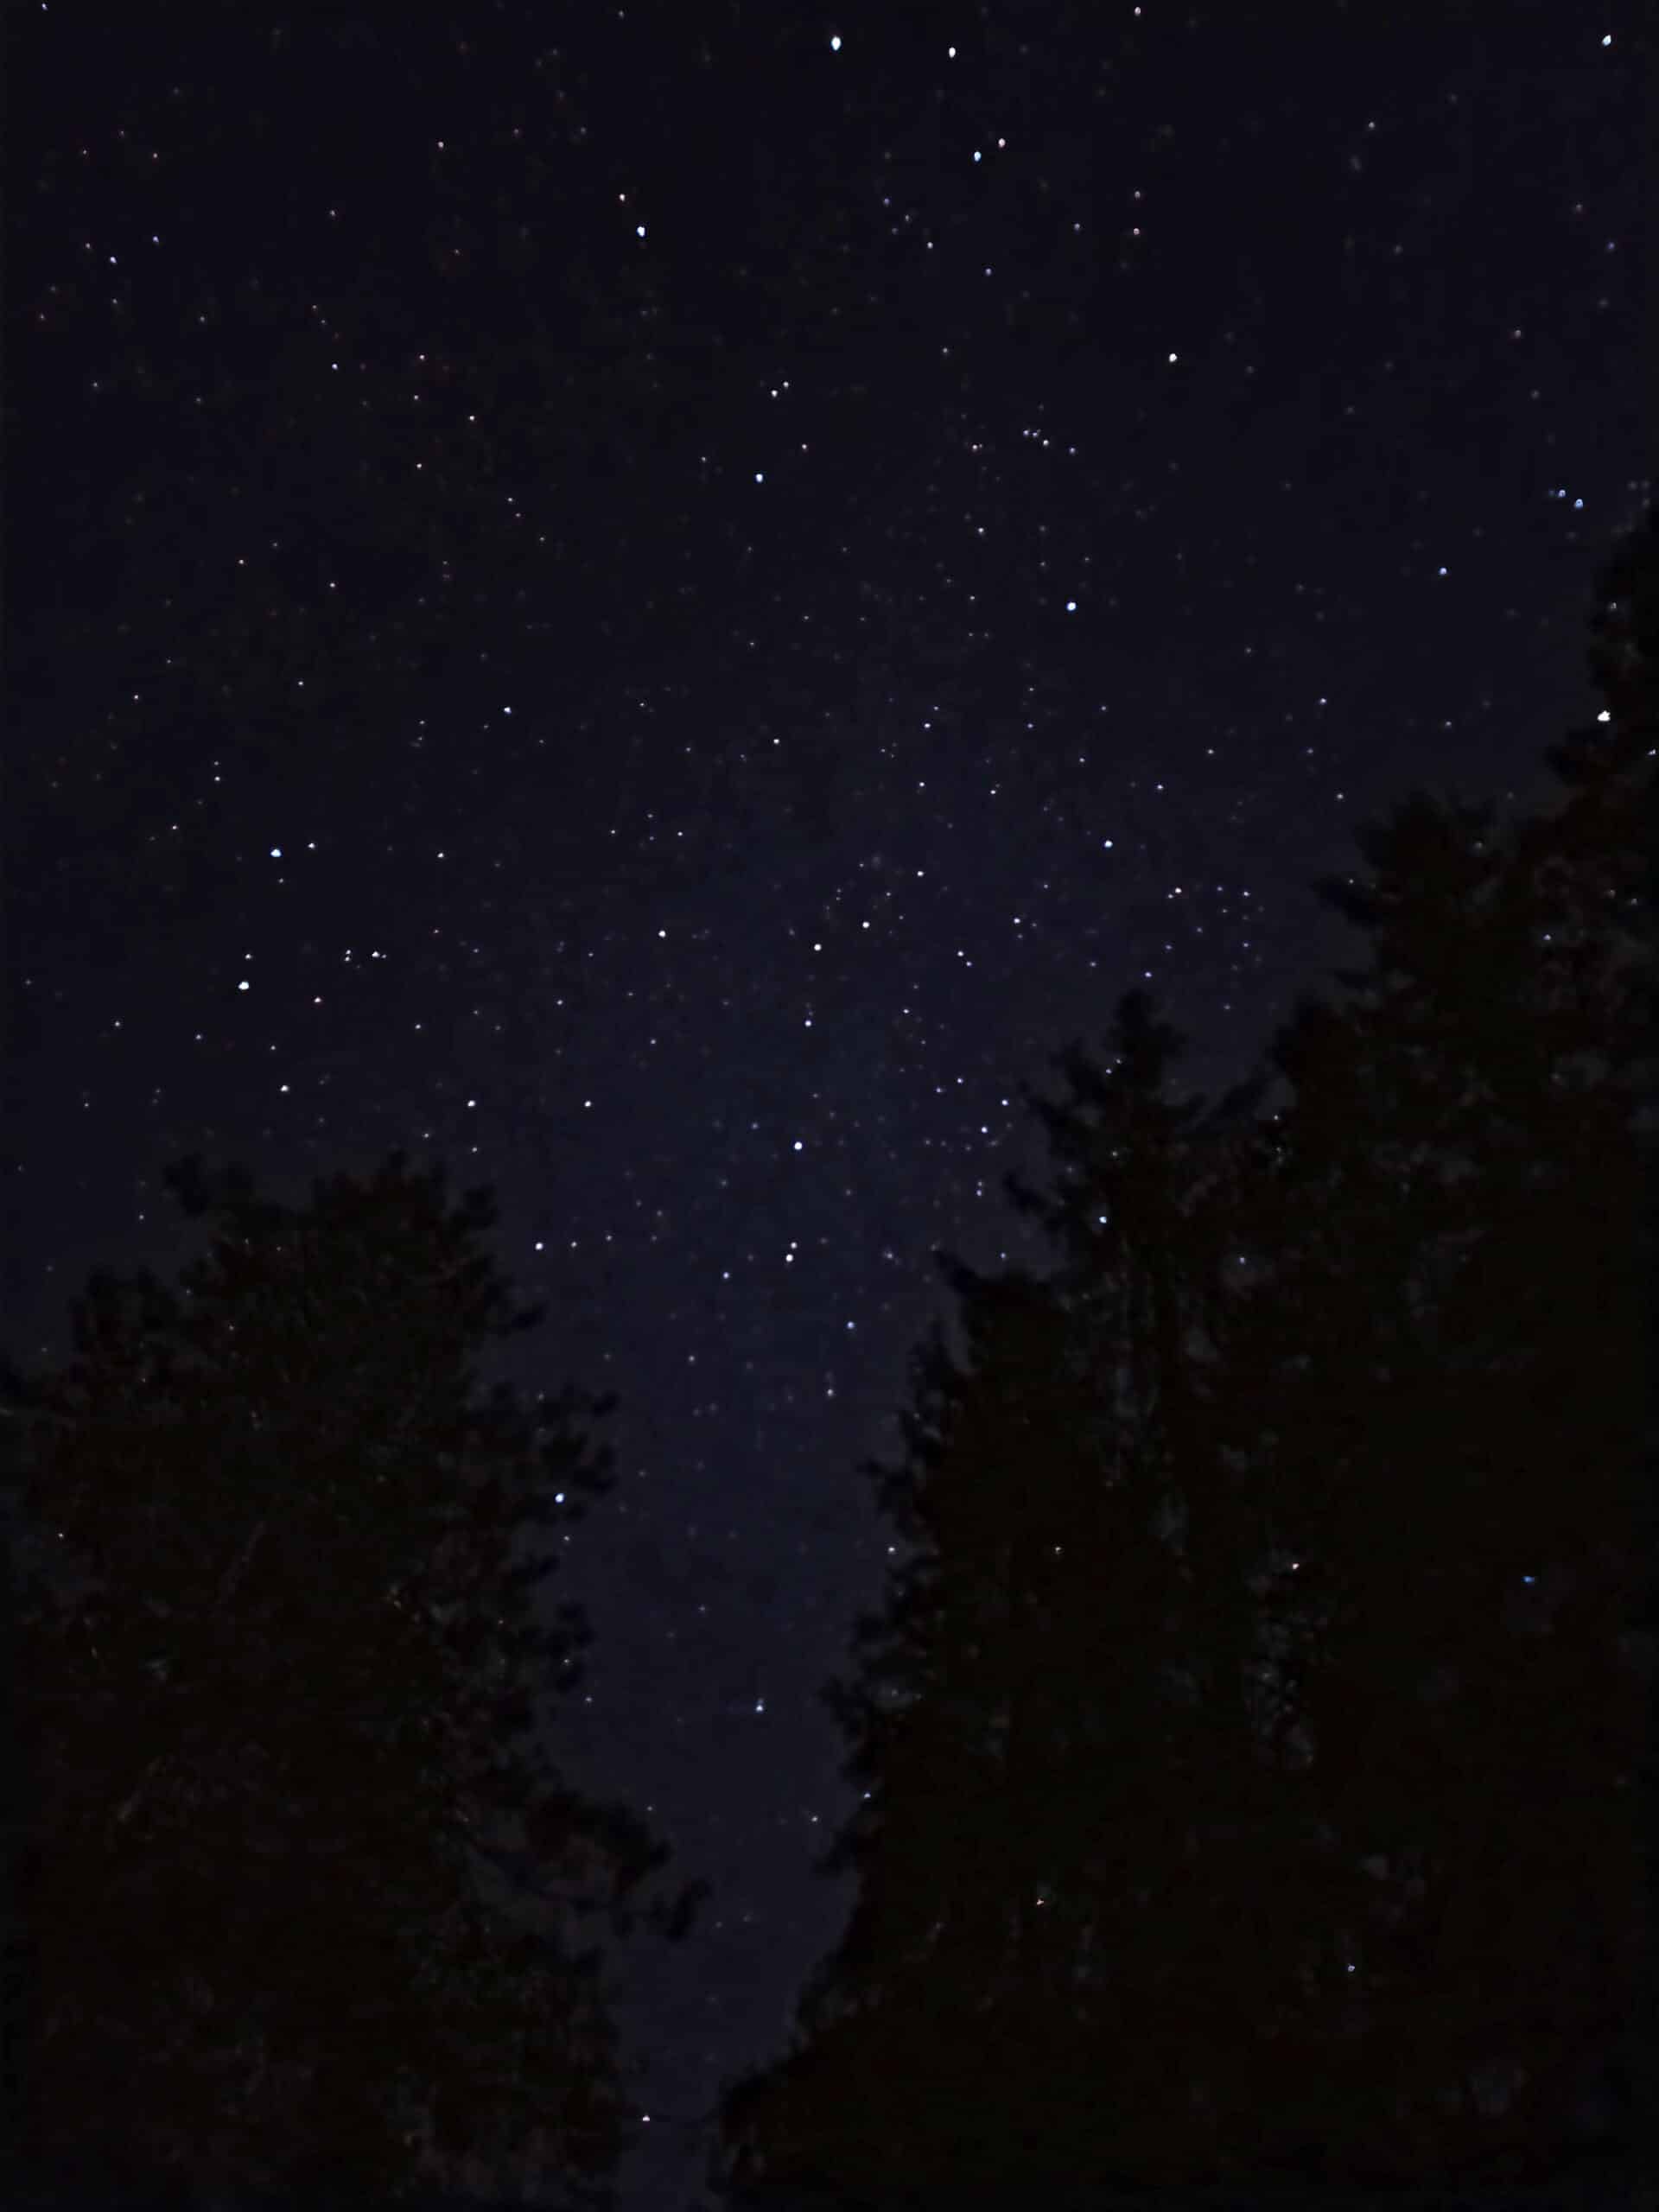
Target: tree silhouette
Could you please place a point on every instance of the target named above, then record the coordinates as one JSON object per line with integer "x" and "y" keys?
{"x": 301, "y": 1891}
{"x": 1023, "y": 1966}
{"x": 1266, "y": 1633}
{"x": 1149, "y": 1218}
{"x": 1448, "y": 1365}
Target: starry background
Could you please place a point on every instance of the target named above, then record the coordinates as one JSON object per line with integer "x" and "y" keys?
{"x": 661, "y": 603}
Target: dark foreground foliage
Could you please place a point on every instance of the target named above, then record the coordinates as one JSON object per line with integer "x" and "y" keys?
{"x": 1254, "y": 1752}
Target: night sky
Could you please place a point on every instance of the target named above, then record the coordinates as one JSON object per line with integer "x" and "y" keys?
{"x": 659, "y": 604}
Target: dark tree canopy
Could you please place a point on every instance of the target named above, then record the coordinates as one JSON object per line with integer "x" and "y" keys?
{"x": 1470, "y": 1124}
{"x": 303, "y": 1881}
{"x": 1250, "y": 1746}
{"x": 1048, "y": 1648}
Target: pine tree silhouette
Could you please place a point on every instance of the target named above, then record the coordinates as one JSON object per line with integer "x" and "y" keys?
{"x": 1449, "y": 1369}
{"x": 303, "y": 1896}
{"x": 1249, "y": 1746}
{"x": 1043, "y": 1719}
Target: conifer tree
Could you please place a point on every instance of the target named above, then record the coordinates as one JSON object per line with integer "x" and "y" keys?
{"x": 1019, "y": 1990}
{"x": 896, "y": 2026}
{"x": 1450, "y": 1370}
{"x": 1373, "y": 1676}
{"x": 1150, "y": 1218}
{"x": 303, "y": 1893}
